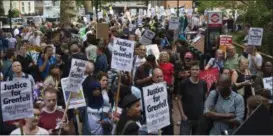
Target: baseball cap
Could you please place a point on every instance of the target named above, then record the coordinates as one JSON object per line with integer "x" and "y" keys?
{"x": 129, "y": 100}
{"x": 188, "y": 55}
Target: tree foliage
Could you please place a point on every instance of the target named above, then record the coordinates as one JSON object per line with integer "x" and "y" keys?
{"x": 257, "y": 13}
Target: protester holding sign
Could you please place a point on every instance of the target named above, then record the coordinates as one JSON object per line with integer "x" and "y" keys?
{"x": 45, "y": 61}
{"x": 255, "y": 60}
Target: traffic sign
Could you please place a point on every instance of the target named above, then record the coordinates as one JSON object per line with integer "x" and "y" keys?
{"x": 215, "y": 19}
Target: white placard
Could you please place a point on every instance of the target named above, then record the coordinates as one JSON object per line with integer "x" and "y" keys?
{"x": 147, "y": 37}
{"x": 16, "y": 100}
{"x": 139, "y": 20}
{"x": 156, "y": 106}
{"x": 174, "y": 23}
{"x": 268, "y": 85}
{"x": 255, "y": 36}
{"x": 153, "y": 12}
{"x": 76, "y": 74}
{"x": 123, "y": 55}
{"x": 152, "y": 49}
{"x": 189, "y": 12}
{"x": 133, "y": 12}
{"x": 172, "y": 11}
{"x": 77, "y": 97}
{"x": 100, "y": 15}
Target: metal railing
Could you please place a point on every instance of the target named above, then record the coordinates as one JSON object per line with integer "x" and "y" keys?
{"x": 266, "y": 56}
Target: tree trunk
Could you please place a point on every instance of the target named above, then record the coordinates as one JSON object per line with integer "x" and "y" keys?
{"x": 2, "y": 11}
{"x": 68, "y": 12}
{"x": 88, "y": 6}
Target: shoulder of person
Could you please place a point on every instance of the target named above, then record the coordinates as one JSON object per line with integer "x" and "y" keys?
{"x": 131, "y": 128}
{"x": 237, "y": 97}
{"x": 43, "y": 131}
{"x": 185, "y": 81}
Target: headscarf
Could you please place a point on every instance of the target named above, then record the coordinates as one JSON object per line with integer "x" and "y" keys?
{"x": 94, "y": 102}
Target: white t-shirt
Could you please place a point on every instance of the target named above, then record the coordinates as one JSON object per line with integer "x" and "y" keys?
{"x": 94, "y": 115}
{"x": 41, "y": 131}
{"x": 259, "y": 61}
{"x": 139, "y": 61}
{"x": 16, "y": 32}
{"x": 106, "y": 101}
{"x": 12, "y": 42}
{"x": 35, "y": 40}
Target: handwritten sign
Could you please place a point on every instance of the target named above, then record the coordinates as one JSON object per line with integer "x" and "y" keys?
{"x": 147, "y": 37}
{"x": 156, "y": 106}
{"x": 122, "y": 55}
{"x": 76, "y": 74}
{"x": 225, "y": 40}
{"x": 77, "y": 99}
{"x": 210, "y": 76}
{"x": 255, "y": 36}
{"x": 16, "y": 100}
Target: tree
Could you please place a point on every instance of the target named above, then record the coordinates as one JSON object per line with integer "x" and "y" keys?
{"x": 2, "y": 11}
{"x": 68, "y": 12}
{"x": 15, "y": 13}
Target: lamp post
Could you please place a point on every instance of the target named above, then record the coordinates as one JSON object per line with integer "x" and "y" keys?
{"x": 10, "y": 14}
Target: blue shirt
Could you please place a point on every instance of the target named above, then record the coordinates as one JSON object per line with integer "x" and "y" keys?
{"x": 50, "y": 62}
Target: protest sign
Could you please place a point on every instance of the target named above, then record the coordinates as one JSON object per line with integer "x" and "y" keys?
{"x": 77, "y": 97}
{"x": 16, "y": 100}
{"x": 255, "y": 36}
{"x": 174, "y": 23}
{"x": 102, "y": 31}
{"x": 156, "y": 106}
{"x": 147, "y": 37}
{"x": 76, "y": 74}
{"x": 172, "y": 11}
{"x": 152, "y": 12}
{"x": 122, "y": 55}
{"x": 210, "y": 76}
{"x": 268, "y": 84}
{"x": 225, "y": 40}
{"x": 153, "y": 49}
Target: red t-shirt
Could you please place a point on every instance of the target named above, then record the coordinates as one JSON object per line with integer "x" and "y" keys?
{"x": 50, "y": 120}
{"x": 167, "y": 69}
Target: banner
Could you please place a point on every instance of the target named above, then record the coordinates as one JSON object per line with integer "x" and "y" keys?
{"x": 153, "y": 49}
{"x": 174, "y": 23}
{"x": 147, "y": 37}
{"x": 16, "y": 100}
{"x": 123, "y": 55}
{"x": 156, "y": 106}
{"x": 268, "y": 85}
{"x": 255, "y": 36}
{"x": 77, "y": 99}
{"x": 76, "y": 74}
{"x": 210, "y": 76}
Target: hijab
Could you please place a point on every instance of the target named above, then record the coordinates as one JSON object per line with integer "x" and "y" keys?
{"x": 94, "y": 102}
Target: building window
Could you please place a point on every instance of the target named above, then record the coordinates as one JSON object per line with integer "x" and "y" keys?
{"x": 29, "y": 7}
{"x": 23, "y": 7}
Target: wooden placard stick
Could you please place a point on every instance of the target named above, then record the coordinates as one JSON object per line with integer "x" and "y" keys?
{"x": 118, "y": 91}
{"x": 65, "y": 111}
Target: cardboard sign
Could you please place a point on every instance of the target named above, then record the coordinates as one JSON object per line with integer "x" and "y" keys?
{"x": 16, "y": 100}
{"x": 225, "y": 40}
{"x": 215, "y": 19}
{"x": 210, "y": 76}
{"x": 268, "y": 85}
{"x": 102, "y": 31}
{"x": 76, "y": 74}
{"x": 153, "y": 49}
{"x": 77, "y": 99}
{"x": 156, "y": 106}
{"x": 255, "y": 36}
{"x": 123, "y": 55}
{"x": 174, "y": 23}
{"x": 147, "y": 37}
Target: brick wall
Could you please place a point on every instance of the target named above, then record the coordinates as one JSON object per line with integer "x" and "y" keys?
{"x": 173, "y": 3}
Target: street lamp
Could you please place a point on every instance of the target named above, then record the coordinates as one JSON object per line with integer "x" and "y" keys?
{"x": 10, "y": 14}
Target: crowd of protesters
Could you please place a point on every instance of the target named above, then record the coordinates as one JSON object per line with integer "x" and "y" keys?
{"x": 228, "y": 103}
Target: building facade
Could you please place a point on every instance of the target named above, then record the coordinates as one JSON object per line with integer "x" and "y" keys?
{"x": 25, "y": 7}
